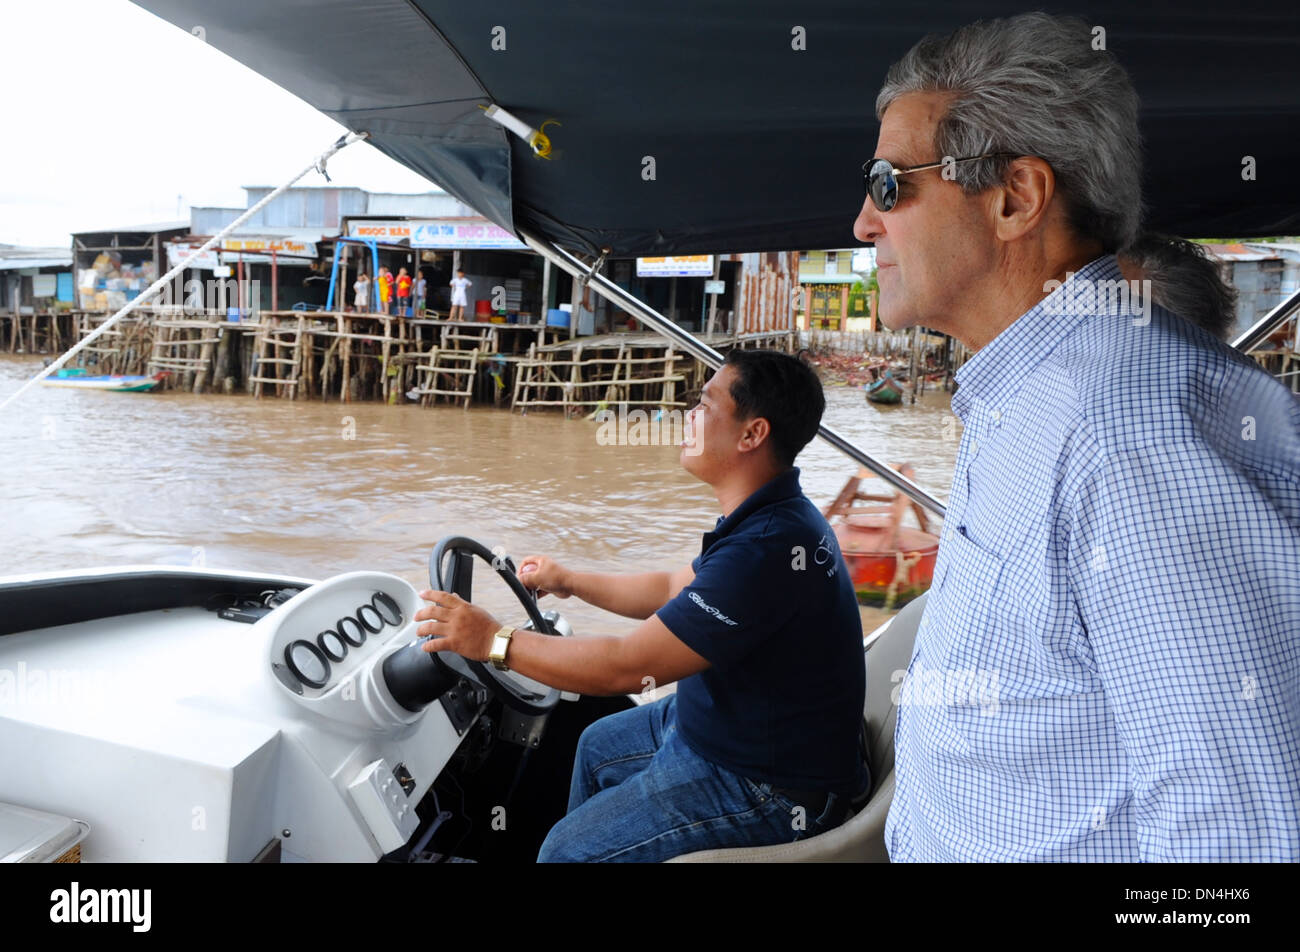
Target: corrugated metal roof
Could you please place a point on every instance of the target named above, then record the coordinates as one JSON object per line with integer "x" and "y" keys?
{"x": 1239, "y": 252}
{"x": 278, "y": 231}
{"x": 146, "y": 228}
{"x": 1287, "y": 248}
{"x": 33, "y": 256}
{"x": 428, "y": 205}
{"x": 304, "y": 188}
{"x": 12, "y": 264}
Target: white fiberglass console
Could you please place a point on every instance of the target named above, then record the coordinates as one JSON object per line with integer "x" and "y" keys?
{"x": 177, "y": 734}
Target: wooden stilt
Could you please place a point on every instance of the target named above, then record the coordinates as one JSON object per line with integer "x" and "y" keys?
{"x": 345, "y": 354}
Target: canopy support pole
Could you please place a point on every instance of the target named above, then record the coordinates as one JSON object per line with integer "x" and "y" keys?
{"x": 1266, "y": 325}
{"x": 711, "y": 358}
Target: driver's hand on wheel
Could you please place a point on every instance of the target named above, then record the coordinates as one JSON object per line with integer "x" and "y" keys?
{"x": 546, "y": 575}
{"x": 457, "y": 625}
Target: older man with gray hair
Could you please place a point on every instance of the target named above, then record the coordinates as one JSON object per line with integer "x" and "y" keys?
{"x": 1120, "y": 563}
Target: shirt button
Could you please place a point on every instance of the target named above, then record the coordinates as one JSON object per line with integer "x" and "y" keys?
{"x": 997, "y": 416}
{"x": 974, "y": 447}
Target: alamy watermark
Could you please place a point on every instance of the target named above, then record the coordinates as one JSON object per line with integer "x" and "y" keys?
{"x": 74, "y": 905}
{"x": 663, "y": 427}
{"x": 1108, "y": 297}
{"x": 195, "y": 297}
{"x": 955, "y": 687}
{"x": 33, "y": 684}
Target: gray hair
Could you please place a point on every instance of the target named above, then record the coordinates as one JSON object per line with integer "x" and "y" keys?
{"x": 1185, "y": 280}
{"x": 1034, "y": 85}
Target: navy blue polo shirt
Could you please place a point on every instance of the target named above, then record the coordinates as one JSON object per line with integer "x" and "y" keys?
{"x": 773, "y": 611}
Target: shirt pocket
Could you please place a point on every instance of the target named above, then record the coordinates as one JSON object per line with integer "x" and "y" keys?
{"x": 965, "y": 564}
{"x": 969, "y": 598}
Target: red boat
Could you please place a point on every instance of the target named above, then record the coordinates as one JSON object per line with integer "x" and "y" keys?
{"x": 890, "y": 563}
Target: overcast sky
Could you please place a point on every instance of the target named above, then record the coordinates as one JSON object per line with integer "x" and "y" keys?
{"x": 101, "y": 129}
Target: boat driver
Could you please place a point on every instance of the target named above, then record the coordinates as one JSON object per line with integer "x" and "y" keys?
{"x": 760, "y": 744}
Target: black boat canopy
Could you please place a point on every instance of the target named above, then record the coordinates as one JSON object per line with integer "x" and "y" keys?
{"x": 756, "y": 145}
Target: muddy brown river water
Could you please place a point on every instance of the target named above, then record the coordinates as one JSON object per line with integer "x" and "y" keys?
{"x": 92, "y": 479}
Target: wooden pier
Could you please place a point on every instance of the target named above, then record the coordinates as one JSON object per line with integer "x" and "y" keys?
{"x": 352, "y": 357}
{"x": 612, "y": 369}
{"x": 37, "y": 332}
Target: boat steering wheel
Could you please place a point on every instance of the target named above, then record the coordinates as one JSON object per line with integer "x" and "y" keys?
{"x": 451, "y": 569}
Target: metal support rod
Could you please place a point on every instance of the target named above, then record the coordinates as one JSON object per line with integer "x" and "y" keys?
{"x": 1267, "y": 324}
{"x": 711, "y": 358}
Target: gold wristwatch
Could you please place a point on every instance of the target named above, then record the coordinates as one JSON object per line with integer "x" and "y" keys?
{"x": 500, "y": 644}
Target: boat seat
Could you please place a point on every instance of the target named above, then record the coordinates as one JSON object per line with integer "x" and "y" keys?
{"x": 861, "y": 838}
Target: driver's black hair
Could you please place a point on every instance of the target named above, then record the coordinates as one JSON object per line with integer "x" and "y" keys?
{"x": 785, "y": 391}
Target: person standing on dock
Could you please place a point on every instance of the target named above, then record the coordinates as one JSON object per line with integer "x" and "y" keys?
{"x": 460, "y": 286}
{"x": 361, "y": 293}
{"x": 1120, "y": 561}
{"x": 403, "y": 293}
{"x": 421, "y": 291}
{"x": 385, "y": 290}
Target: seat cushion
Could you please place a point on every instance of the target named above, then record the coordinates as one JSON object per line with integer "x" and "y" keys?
{"x": 886, "y": 661}
{"x": 861, "y": 838}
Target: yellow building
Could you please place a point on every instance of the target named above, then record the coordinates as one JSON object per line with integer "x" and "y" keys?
{"x": 827, "y": 278}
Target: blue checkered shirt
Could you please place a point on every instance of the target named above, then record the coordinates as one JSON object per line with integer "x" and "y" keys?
{"x": 1108, "y": 666}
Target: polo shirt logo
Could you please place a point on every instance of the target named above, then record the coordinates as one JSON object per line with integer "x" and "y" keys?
{"x": 826, "y": 554}
{"x": 710, "y": 609}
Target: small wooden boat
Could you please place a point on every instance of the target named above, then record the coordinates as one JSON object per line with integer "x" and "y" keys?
{"x": 884, "y": 390}
{"x": 890, "y": 563}
{"x": 123, "y": 383}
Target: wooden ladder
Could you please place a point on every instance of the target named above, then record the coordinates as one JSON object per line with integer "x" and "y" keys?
{"x": 460, "y": 366}
{"x": 524, "y": 376}
{"x": 274, "y": 340}
{"x": 173, "y": 346}
{"x": 449, "y": 359}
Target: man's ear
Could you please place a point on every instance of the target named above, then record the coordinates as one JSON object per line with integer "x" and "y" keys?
{"x": 1024, "y": 197}
{"x": 754, "y": 435}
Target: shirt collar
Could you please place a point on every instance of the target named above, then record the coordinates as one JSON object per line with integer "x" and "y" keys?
{"x": 996, "y": 371}
{"x": 782, "y": 486}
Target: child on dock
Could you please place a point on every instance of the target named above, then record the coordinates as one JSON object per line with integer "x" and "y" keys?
{"x": 459, "y": 298}
{"x": 386, "y": 290}
{"x": 361, "y": 290}
{"x": 421, "y": 291}
{"x": 403, "y": 293}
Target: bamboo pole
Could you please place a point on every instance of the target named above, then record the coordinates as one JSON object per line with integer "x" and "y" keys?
{"x": 205, "y": 357}
{"x": 346, "y": 353}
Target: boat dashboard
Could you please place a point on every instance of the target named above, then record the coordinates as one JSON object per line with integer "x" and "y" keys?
{"x": 198, "y": 715}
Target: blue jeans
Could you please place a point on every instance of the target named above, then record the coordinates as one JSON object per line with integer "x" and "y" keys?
{"x": 640, "y": 794}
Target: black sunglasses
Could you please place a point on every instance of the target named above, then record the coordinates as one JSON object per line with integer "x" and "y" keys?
{"x": 880, "y": 178}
